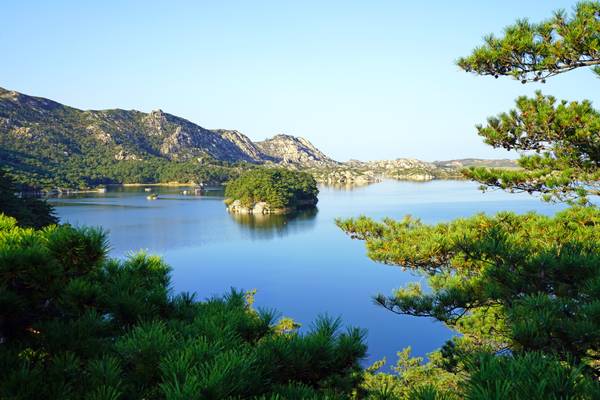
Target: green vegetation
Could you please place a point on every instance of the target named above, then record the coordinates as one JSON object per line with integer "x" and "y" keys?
{"x": 564, "y": 140}
{"x": 47, "y": 145}
{"x": 76, "y": 325}
{"x": 279, "y": 187}
{"x": 29, "y": 211}
{"x": 563, "y": 136}
{"x": 84, "y": 171}
{"x": 532, "y": 52}
{"x": 522, "y": 290}
{"x": 520, "y": 284}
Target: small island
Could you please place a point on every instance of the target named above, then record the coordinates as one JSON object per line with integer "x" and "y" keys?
{"x": 271, "y": 191}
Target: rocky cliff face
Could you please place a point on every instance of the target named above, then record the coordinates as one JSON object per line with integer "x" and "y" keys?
{"x": 286, "y": 149}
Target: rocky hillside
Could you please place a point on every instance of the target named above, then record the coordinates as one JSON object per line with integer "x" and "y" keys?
{"x": 48, "y": 144}
{"x": 401, "y": 168}
{"x": 360, "y": 172}
{"x": 296, "y": 151}
{"x": 29, "y": 124}
{"x": 477, "y": 162}
{"x": 45, "y": 143}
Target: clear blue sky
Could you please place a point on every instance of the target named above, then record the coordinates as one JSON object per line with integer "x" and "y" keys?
{"x": 360, "y": 79}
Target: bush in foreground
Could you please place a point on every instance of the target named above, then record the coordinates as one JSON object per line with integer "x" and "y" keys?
{"x": 77, "y": 325}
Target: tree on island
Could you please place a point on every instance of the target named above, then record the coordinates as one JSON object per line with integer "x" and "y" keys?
{"x": 522, "y": 290}
{"x": 282, "y": 190}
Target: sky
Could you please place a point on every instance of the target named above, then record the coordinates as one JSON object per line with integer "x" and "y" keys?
{"x": 359, "y": 79}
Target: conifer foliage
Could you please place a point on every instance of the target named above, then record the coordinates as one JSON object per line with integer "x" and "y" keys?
{"x": 560, "y": 145}
{"x": 559, "y": 140}
{"x": 523, "y": 291}
{"x": 532, "y": 52}
{"x": 75, "y": 324}
{"x": 29, "y": 211}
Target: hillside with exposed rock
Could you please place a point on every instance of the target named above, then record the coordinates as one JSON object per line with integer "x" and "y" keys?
{"x": 27, "y": 122}
{"x": 476, "y": 162}
{"x": 296, "y": 151}
{"x": 47, "y": 144}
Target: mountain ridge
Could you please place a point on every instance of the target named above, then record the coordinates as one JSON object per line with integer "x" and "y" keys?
{"x": 39, "y": 136}
{"x": 130, "y": 132}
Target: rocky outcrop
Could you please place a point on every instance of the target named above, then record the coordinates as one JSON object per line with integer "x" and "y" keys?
{"x": 294, "y": 151}
{"x": 262, "y": 207}
{"x": 156, "y": 121}
{"x": 124, "y": 155}
{"x": 344, "y": 174}
{"x": 183, "y": 140}
{"x": 241, "y": 141}
{"x": 259, "y": 208}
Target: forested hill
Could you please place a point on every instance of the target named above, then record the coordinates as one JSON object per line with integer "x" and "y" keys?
{"x": 45, "y": 144}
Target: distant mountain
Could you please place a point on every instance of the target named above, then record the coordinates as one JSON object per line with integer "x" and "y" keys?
{"x": 477, "y": 162}
{"x": 27, "y": 123}
{"x": 47, "y": 144}
{"x": 41, "y": 139}
{"x": 287, "y": 149}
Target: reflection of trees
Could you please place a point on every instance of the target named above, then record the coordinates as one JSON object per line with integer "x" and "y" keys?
{"x": 265, "y": 226}
{"x": 346, "y": 186}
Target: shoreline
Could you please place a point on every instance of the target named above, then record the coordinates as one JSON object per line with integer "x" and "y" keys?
{"x": 172, "y": 184}
{"x": 103, "y": 188}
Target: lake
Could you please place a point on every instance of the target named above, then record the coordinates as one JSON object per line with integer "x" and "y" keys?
{"x": 303, "y": 265}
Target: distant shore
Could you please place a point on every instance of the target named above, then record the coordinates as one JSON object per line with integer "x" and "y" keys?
{"x": 173, "y": 184}
{"x": 102, "y": 189}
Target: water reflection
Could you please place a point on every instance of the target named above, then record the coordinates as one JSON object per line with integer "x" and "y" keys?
{"x": 268, "y": 226}
{"x": 346, "y": 186}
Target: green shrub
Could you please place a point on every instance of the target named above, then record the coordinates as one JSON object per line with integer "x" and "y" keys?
{"x": 77, "y": 325}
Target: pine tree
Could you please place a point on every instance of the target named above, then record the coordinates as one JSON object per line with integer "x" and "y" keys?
{"x": 75, "y": 324}
{"x": 522, "y": 290}
{"x": 560, "y": 139}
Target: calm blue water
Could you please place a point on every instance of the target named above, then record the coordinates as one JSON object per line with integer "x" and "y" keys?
{"x": 302, "y": 266}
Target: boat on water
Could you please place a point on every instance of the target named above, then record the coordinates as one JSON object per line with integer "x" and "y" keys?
{"x": 147, "y": 189}
{"x": 153, "y": 196}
